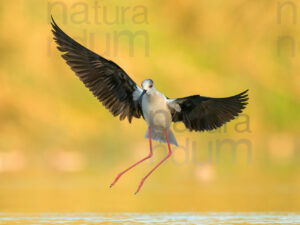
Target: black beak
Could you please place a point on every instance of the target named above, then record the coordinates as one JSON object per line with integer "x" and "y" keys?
{"x": 144, "y": 92}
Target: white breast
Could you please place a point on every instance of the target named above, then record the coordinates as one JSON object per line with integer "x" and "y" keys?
{"x": 156, "y": 111}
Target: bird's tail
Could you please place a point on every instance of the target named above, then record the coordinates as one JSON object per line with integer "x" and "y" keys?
{"x": 159, "y": 135}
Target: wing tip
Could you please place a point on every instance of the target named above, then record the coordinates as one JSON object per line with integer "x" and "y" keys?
{"x": 55, "y": 28}
{"x": 52, "y": 22}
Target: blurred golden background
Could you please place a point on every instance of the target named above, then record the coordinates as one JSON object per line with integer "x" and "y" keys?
{"x": 60, "y": 149}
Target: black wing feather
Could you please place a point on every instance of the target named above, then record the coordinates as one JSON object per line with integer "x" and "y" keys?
{"x": 200, "y": 113}
{"x": 105, "y": 79}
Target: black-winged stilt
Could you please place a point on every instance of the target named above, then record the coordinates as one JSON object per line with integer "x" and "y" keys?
{"x": 124, "y": 98}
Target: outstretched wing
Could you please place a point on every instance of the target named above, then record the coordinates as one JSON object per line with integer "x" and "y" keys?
{"x": 105, "y": 79}
{"x": 203, "y": 113}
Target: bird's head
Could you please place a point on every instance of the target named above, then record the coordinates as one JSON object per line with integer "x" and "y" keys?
{"x": 148, "y": 86}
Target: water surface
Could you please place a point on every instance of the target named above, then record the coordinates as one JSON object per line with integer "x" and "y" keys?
{"x": 150, "y": 218}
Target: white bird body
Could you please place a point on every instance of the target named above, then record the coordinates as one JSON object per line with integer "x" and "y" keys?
{"x": 157, "y": 116}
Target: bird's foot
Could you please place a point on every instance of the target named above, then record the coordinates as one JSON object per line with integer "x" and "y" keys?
{"x": 140, "y": 186}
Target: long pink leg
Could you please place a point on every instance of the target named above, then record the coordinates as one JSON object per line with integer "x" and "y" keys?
{"x": 148, "y": 157}
{"x": 169, "y": 154}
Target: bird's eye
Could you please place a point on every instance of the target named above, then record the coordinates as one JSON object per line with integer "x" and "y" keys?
{"x": 150, "y": 86}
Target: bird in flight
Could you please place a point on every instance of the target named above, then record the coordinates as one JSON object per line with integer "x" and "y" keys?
{"x": 124, "y": 98}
